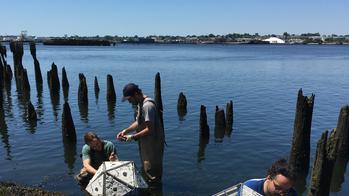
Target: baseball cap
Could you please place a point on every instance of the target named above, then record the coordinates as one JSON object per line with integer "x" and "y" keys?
{"x": 129, "y": 90}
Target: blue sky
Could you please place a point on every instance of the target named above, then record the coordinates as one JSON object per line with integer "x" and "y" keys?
{"x": 172, "y": 17}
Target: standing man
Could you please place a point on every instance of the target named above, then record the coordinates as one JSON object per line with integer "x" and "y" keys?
{"x": 148, "y": 132}
{"x": 279, "y": 181}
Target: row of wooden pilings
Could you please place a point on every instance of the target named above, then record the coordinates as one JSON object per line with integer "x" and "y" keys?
{"x": 332, "y": 148}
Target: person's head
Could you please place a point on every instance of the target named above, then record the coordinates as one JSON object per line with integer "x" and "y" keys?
{"x": 132, "y": 93}
{"x": 280, "y": 178}
{"x": 93, "y": 141}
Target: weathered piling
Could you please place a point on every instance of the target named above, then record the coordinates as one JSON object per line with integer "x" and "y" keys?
{"x": 229, "y": 118}
{"x": 7, "y": 75}
{"x": 1, "y": 75}
{"x": 65, "y": 84}
{"x": 157, "y": 97}
{"x": 341, "y": 137}
{"x": 342, "y": 132}
{"x": 182, "y": 105}
{"x": 219, "y": 128}
{"x": 300, "y": 151}
{"x": 31, "y": 113}
{"x": 323, "y": 167}
{"x": 16, "y": 48}
{"x": 38, "y": 76}
{"x": 83, "y": 91}
{"x": 96, "y": 87}
{"x": 111, "y": 96}
{"x": 204, "y": 128}
{"x": 25, "y": 84}
{"x": 68, "y": 127}
{"x": 53, "y": 80}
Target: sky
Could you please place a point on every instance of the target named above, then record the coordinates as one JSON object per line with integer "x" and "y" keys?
{"x": 172, "y": 17}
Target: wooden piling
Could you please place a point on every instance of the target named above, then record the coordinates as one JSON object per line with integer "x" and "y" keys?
{"x": 229, "y": 118}
{"x": 219, "y": 129}
{"x": 182, "y": 104}
{"x": 323, "y": 167}
{"x": 31, "y": 113}
{"x": 300, "y": 151}
{"x": 65, "y": 84}
{"x": 83, "y": 91}
{"x": 68, "y": 127}
{"x": 53, "y": 80}
{"x": 38, "y": 76}
{"x": 204, "y": 128}
{"x": 111, "y": 96}
{"x": 25, "y": 84}
{"x": 158, "y": 99}
{"x": 342, "y": 132}
{"x": 16, "y": 48}
{"x": 96, "y": 87}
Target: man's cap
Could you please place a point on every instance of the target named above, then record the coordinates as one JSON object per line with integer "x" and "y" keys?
{"x": 129, "y": 90}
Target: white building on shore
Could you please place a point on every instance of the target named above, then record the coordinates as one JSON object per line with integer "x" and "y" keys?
{"x": 274, "y": 40}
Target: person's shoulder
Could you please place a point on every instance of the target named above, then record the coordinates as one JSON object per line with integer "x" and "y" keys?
{"x": 108, "y": 143}
{"x": 255, "y": 184}
{"x": 85, "y": 147}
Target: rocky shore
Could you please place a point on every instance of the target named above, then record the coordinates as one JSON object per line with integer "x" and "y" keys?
{"x": 7, "y": 188}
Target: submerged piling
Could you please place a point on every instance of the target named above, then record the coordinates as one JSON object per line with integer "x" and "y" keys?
{"x": 204, "y": 128}
{"x": 38, "y": 76}
{"x": 342, "y": 132}
{"x": 111, "y": 96}
{"x": 229, "y": 118}
{"x": 68, "y": 127}
{"x": 53, "y": 80}
{"x": 323, "y": 166}
{"x": 157, "y": 97}
{"x": 16, "y": 48}
{"x": 65, "y": 83}
{"x": 83, "y": 91}
{"x": 300, "y": 151}
{"x": 25, "y": 87}
{"x": 219, "y": 128}
{"x": 96, "y": 87}
{"x": 182, "y": 104}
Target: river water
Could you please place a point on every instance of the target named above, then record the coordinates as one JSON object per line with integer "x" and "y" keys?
{"x": 261, "y": 80}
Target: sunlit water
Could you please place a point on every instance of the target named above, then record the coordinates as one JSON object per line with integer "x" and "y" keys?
{"x": 262, "y": 82}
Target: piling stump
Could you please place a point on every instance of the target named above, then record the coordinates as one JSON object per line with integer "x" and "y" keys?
{"x": 219, "y": 129}
{"x": 96, "y": 87}
{"x": 323, "y": 167}
{"x": 65, "y": 83}
{"x": 300, "y": 151}
{"x": 204, "y": 128}
{"x": 229, "y": 118}
{"x": 158, "y": 99}
{"x": 53, "y": 80}
{"x": 83, "y": 91}
{"x": 38, "y": 76}
{"x": 68, "y": 127}
{"x": 182, "y": 104}
{"x": 111, "y": 96}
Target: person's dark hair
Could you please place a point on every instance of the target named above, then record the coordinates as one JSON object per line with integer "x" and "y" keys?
{"x": 282, "y": 167}
{"x": 89, "y": 136}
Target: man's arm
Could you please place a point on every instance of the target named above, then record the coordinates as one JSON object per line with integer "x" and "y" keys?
{"x": 124, "y": 132}
{"x": 146, "y": 131}
{"x": 88, "y": 167}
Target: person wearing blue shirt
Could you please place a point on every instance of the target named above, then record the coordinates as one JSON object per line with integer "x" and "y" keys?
{"x": 279, "y": 181}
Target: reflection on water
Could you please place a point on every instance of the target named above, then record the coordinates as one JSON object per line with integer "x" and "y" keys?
{"x": 55, "y": 101}
{"x": 66, "y": 93}
{"x": 111, "y": 109}
{"x": 202, "y": 146}
{"x": 339, "y": 171}
{"x": 69, "y": 154}
{"x": 39, "y": 107}
{"x": 83, "y": 109}
{"x": 4, "y": 133}
{"x": 181, "y": 114}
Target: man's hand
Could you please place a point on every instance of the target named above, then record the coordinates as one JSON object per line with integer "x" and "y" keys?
{"x": 112, "y": 156}
{"x": 128, "y": 138}
{"x": 121, "y": 135}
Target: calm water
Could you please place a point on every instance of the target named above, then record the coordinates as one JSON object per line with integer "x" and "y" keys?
{"x": 262, "y": 81}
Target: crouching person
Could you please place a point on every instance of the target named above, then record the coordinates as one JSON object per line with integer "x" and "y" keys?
{"x": 94, "y": 153}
